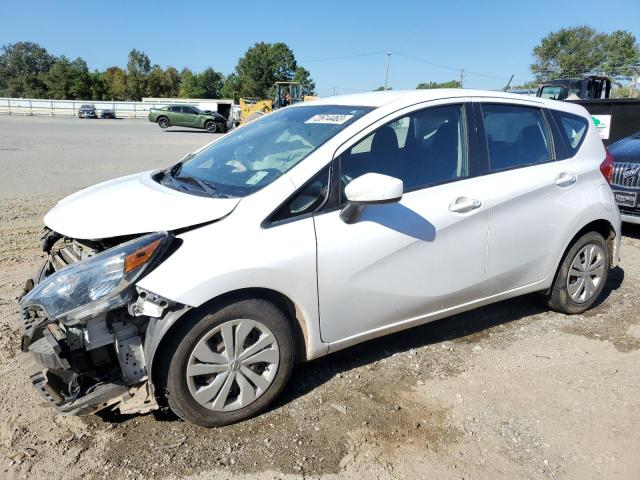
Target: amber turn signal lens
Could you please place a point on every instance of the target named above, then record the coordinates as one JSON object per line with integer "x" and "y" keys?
{"x": 140, "y": 257}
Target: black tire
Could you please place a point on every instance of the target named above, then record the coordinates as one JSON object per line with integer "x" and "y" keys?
{"x": 558, "y": 298}
{"x": 221, "y": 128}
{"x": 171, "y": 378}
{"x": 211, "y": 126}
{"x": 163, "y": 122}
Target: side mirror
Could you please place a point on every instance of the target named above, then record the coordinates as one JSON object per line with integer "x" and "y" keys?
{"x": 369, "y": 189}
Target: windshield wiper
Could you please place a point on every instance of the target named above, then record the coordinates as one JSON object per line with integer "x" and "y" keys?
{"x": 174, "y": 169}
{"x": 205, "y": 185}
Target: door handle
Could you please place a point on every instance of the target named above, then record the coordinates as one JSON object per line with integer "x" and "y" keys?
{"x": 464, "y": 205}
{"x": 566, "y": 179}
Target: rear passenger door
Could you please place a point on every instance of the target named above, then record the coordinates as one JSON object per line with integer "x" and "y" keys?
{"x": 528, "y": 192}
{"x": 177, "y": 117}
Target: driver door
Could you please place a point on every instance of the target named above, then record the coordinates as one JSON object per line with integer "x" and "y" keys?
{"x": 401, "y": 262}
{"x": 190, "y": 116}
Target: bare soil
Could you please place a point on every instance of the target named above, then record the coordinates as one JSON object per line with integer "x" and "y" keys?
{"x": 507, "y": 391}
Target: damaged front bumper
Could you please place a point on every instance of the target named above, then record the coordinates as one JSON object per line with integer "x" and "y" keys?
{"x": 82, "y": 370}
{"x": 82, "y": 366}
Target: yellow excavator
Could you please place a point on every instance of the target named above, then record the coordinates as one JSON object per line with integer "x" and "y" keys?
{"x": 287, "y": 93}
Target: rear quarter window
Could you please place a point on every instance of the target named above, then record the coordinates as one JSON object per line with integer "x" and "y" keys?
{"x": 573, "y": 129}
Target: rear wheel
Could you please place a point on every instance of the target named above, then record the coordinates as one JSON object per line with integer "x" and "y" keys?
{"x": 228, "y": 364}
{"x": 211, "y": 126}
{"x": 163, "y": 122}
{"x": 582, "y": 274}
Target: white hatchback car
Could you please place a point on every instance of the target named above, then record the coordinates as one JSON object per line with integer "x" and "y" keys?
{"x": 316, "y": 227}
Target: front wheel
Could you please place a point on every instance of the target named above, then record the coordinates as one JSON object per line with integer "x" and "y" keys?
{"x": 228, "y": 364}
{"x": 582, "y": 275}
{"x": 211, "y": 126}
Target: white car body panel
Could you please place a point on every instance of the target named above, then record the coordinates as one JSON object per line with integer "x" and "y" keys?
{"x": 396, "y": 262}
{"x": 130, "y": 205}
{"x": 400, "y": 265}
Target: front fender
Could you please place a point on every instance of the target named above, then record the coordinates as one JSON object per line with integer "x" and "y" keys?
{"x": 223, "y": 257}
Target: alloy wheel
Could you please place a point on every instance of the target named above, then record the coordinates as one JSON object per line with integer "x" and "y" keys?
{"x": 232, "y": 365}
{"x": 586, "y": 273}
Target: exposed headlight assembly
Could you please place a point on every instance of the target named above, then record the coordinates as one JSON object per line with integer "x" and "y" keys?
{"x": 100, "y": 283}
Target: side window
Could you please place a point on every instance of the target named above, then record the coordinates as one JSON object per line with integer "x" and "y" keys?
{"x": 174, "y": 109}
{"x": 310, "y": 197}
{"x": 573, "y": 129}
{"x": 188, "y": 110}
{"x": 516, "y": 136}
{"x": 421, "y": 149}
{"x": 551, "y": 91}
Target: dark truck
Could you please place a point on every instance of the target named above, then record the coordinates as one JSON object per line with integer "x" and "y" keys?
{"x": 616, "y": 118}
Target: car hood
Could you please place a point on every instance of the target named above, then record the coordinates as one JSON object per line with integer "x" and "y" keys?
{"x": 627, "y": 149}
{"x": 130, "y": 205}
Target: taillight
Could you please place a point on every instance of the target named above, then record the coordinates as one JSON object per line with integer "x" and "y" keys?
{"x": 606, "y": 167}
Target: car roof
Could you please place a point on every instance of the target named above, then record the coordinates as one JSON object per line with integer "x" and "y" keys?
{"x": 402, "y": 98}
{"x": 378, "y": 99}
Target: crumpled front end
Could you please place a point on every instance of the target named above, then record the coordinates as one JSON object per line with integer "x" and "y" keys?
{"x": 89, "y": 355}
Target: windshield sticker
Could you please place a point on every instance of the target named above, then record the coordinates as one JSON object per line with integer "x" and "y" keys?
{"x": 257, "y": 177}
{"x": 332, "y": 119}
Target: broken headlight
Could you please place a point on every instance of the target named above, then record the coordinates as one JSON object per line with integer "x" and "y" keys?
{"x": 100, "y": 283}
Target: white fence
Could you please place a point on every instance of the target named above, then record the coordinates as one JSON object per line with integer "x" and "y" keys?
{"x": 69, "y": 108}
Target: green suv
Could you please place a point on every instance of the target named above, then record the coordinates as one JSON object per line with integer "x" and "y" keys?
{"x": 188, "y": 116}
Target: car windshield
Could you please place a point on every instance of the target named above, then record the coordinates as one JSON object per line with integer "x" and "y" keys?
{"x": 255, "y": 155}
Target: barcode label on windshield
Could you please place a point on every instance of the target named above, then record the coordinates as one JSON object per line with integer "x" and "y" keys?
{"x": 333, "y": 119}
{"x": 257, "y": 177}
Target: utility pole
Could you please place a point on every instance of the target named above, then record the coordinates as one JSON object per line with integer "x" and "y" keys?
{"x": 461, "y": 77}
{"x": 386, "y": 75}
{"x": 633, "y": 88}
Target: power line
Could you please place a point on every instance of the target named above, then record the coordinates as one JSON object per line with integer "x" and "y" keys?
{"x": 345, "y": 57}
{"x": 447, "y": 67}
{"x": 426, "y": 62}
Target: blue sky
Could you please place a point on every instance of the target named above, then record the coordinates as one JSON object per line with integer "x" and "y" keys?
{"x": 487, "y": 38}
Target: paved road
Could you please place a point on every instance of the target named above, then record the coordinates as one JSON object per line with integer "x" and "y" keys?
{"x": 50, "y": 155}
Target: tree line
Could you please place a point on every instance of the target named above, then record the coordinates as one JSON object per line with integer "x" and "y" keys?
{"x": 575, "y": 52}
{"x": 28, "y": 70}
{"x": 581, "y": 50}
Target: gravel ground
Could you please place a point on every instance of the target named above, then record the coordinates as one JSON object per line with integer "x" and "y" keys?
{"x": 507, "y": 391}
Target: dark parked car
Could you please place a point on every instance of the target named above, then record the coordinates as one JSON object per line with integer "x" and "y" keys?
{"x": 107, "y": 113}
{"x": 626, "y": 176}
{"x": 87, "y": 111}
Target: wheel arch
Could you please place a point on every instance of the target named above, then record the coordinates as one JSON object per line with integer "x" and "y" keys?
{"x": 284, "y": 303}
{"x": 603, "y": 227}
